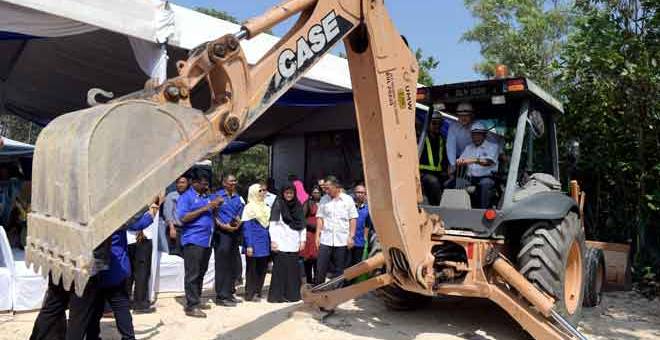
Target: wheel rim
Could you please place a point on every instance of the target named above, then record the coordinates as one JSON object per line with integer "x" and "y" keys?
{"x": 573, "y": 278}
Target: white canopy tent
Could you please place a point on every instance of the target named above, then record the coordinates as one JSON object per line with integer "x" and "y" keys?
{"x": 55, "y": 51}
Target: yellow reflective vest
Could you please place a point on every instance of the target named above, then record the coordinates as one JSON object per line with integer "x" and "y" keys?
{"x": 428, "y": 163}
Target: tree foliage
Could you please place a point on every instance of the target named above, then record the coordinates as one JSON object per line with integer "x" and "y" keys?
{"x": 611, "y": 82}
{"x": 218, "y": 14}
{"x": 223, "y": 15}
{"x": 426, "y": 66}
{"x": 19, "y": 129}
{"x": 602, "y": 60}
{"x": 525, "y": 35}
{"x": 249, "y": 166}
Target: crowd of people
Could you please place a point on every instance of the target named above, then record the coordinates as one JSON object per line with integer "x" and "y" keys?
{"x": 307, "y": 238}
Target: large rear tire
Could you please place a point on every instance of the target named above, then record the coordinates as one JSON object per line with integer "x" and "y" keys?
{"x": 595, "y": 277}
{"x": 552, "y": 258}
{"x": 393, "y": 296}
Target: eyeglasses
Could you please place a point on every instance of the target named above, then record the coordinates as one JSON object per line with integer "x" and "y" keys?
{"x": 360, "y": 192}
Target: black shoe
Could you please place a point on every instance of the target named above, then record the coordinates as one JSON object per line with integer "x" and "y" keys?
{"x": 195, "y": 312}
{"x": 234, "y": 299}
{"x": 146, "y": 310}
{"x": 225, "y": 303}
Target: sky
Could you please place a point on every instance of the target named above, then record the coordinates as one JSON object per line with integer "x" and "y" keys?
{"x": 435, "y": 26}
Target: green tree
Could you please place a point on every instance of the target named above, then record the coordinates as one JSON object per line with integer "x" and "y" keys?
{"x": 426, "y": 66}
{"x": 19, "y": 129}
{"x": 223, "y": 15}
{"x": 218, "y": 14}
{"x": 525, "y": 35}
{"x": 611, "y": 84}
{"x": 249, "y": 166}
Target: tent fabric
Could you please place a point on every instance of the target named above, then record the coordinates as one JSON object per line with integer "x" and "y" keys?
{"x": 134, "y": 18}
{"x": 32, "y": 24}
{"x": 171, "y": 277}
{"x": 29, "y": 287}
{"x": 21, "y": 289}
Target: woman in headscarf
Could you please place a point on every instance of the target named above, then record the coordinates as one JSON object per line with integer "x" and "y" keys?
{"x": 310, "y": 252}
{"x": 287, "y": 235}
{"x": 256, "y": 241}
{"x": 301, "y": 194}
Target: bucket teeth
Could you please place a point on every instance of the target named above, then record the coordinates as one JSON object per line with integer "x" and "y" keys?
{"x": 50, "y": 260}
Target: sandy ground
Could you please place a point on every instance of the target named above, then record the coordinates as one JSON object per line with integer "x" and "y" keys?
{"x": 621, "y": 316}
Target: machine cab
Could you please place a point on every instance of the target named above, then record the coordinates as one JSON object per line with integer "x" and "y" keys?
{"x": 519, "y": 118}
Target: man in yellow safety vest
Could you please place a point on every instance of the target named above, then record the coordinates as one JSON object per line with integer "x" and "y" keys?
{"x": 432, "y": 161}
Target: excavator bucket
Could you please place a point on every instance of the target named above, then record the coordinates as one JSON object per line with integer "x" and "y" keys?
{"x": 78, "y": 201}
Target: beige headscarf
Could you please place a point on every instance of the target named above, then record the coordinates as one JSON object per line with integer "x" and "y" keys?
{"x": 256, "y": 207}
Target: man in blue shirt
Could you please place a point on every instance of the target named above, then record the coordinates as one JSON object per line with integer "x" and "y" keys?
{"x": 363, "y": 224}
{"x": 225, "y": 243}
{"x": 112, "y": 282}
{"x": 195, "y": 209}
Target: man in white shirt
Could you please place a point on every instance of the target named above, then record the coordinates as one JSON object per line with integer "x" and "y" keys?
{"x": 336, "y": 221}
{"x": 458, "y": 135}
{"x": 480, "y": 158}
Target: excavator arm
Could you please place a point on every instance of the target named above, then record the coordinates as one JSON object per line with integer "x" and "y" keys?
{"x": 96, "y": 167}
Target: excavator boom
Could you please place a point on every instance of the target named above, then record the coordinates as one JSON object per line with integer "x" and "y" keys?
{"x": 96, "y": 167}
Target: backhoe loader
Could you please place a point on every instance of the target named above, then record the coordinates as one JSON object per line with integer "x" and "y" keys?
{"x": 96, "y": 167}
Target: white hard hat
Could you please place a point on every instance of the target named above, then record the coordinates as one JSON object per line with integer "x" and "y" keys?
{"x": 478, "y": 127}
{"x": 464, "y": 109}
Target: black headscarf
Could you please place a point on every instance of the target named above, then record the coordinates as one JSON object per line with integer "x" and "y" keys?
{"x": 291, "y": 211}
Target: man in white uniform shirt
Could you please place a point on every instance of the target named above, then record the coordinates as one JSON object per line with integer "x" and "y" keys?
{"x": 480, "y": 158}
{"x": 336, "y": 220}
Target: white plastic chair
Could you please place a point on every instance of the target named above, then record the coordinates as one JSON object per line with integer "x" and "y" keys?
{"x": 6, "y": 273}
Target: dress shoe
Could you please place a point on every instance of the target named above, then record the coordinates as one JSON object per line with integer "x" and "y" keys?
{"x": 225, "y": 303}
{"x": 195, "y": 313}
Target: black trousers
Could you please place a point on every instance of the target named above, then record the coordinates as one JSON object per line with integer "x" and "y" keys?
{"x": 227, "y": 268}
{"x": 51, "y": 322}
{"x": 482, "y": 197}
{"x": 330, "y": 255}
{"x": 117, "y": 297}
{"x": 255, "y": 275}
{"x": 310, "y": 271}
{"x": 195, "y": 263}
{"x": 432, "y": 187}
{"x": 138, "y": 282}
{"x": 174, "y": 245}
{"x": 355, "y": 256}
